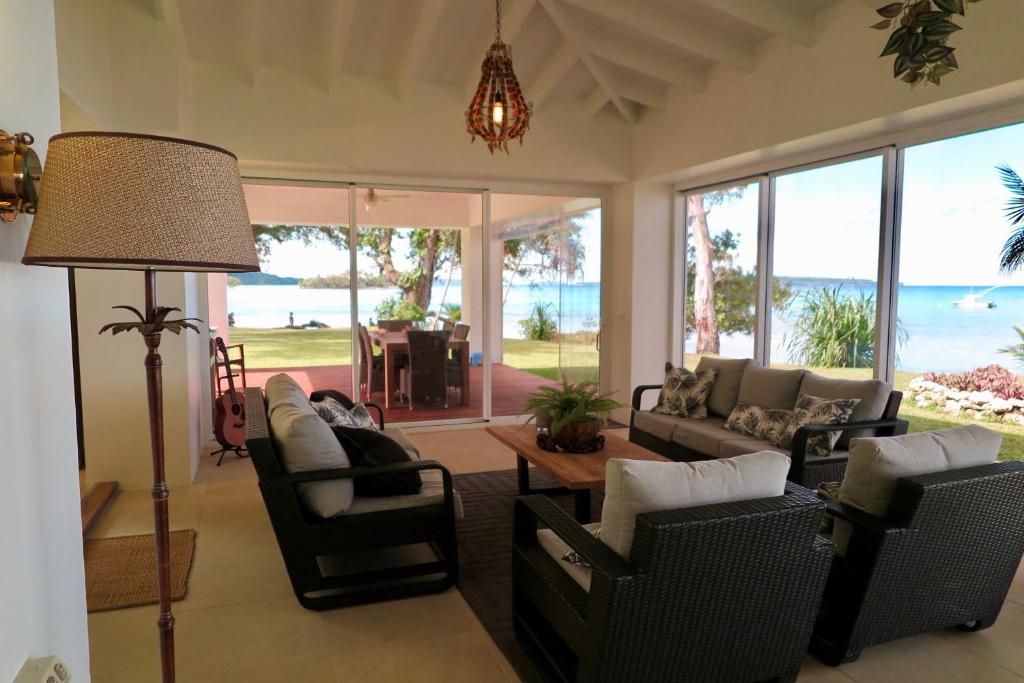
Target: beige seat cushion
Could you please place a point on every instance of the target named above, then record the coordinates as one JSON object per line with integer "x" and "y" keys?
{"x": 876, "y": 463}
{"x": 704, "y": 436}
{"x": 872, "y": 394}
{"x": 554, "y": 546}
{"x": 432, "y": 493}
{"x": 726, "y": 390}
{"x": 306, "y": 443}
{"x": 770, "y": 388}
{"x": 636, "y": 486}
{"x": 655, "y": 424}
{"x": 741, "y": 445}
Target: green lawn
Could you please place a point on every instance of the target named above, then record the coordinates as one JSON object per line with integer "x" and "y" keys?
{"x": 293, "y": 348}
{"x": 280, "y": 348}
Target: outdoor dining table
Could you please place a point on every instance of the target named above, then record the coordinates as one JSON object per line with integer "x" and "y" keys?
{"x": 394, "y": 343}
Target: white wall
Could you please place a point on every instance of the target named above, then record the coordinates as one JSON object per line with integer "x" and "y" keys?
{"x": 42, "y": 583}
{"x": 638, "y": 335}
{"x": 114, "y": 409}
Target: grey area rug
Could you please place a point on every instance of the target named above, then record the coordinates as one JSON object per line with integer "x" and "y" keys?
{"x": 485, "y": 554}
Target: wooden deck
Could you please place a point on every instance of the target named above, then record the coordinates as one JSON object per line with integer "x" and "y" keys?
{"x": 510, "y": 387}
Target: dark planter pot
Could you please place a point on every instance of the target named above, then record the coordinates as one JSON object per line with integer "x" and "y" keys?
{"x": 543, "y": 421}
{"x": 578, "y": 435}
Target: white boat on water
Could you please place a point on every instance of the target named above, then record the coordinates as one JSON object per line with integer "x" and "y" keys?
{"x": 974, "y": 301}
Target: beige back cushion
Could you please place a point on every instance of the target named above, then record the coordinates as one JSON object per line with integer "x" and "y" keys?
{"x": 635, "y": 486}
{"x": 282, "y": 389}
{"x": 877, "y": 462}
{"x": 770, "y": 388}
{"x": 305, "y": 442}
{"x": 726, "y": 389}
{"x": 872, "y": 394}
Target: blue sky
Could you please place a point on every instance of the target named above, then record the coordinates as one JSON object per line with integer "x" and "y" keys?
{"x": 953, "y": 224}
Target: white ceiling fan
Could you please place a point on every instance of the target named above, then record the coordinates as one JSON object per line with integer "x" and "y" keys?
{"x": 372, "y": 199}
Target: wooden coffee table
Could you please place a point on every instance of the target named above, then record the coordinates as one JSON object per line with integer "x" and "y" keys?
{"x": 578, "y": 473}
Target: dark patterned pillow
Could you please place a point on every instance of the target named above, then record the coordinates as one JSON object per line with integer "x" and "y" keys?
{"x": 372, "y": 448}
{"x": 337, "y": 415}
{"x": 684, "y": 393}
{"x": 761, "y": 423}
{"x": 813, "y": 410}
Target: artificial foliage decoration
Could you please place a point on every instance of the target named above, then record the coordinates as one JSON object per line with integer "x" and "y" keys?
{"x": 156, "y": 325}
{"x": 920, "y": 40}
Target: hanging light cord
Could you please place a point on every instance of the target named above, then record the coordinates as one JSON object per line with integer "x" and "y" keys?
{"x": 497, "y": 21}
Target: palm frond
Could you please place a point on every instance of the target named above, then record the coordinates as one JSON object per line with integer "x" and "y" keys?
{"x": 134, "y": 310}
{"x": 1012, "y": 256}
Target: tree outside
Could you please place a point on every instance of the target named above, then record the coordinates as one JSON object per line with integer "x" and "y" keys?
{"x": 721, "y": 294}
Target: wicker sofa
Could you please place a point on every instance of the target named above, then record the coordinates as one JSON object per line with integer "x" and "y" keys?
{"x": 371, "y": 526}
{"x": 742, "y": 380}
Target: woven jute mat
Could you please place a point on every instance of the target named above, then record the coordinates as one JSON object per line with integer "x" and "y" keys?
{"x": 121, "y": 571}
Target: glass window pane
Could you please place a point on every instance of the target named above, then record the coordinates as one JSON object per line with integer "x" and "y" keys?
{"x": 294, "y": 316}
{"x": 721, "y": 272}
{"x": 956, "y": 309}
{"x": 825, "y": 263}
{"x": 550, "y": 294}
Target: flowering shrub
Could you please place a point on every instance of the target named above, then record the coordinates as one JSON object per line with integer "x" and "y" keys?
{"x": 995, "y": 378}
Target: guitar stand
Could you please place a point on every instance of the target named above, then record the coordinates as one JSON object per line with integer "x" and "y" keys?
{"x": 237, "y": 450}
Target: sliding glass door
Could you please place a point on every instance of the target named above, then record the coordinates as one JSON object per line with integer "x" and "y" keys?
{"x": 294, "y": 316}
{"x": 550, "y": 298}
{"x": 419, "y": 260}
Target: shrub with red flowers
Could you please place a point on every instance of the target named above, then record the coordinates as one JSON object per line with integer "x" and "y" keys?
{"x": 995, "y": 378}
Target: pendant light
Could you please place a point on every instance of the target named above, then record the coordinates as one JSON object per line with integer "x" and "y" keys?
{"x": 498, "y": 112}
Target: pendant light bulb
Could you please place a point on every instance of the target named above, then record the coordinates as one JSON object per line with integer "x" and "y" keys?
{"x": 498, "y": 112}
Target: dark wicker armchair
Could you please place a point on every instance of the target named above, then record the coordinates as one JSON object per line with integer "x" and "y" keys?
{"x": 725, "y": 592}
{"x": 305, "y": 538}
{"x": 945, "y": 555}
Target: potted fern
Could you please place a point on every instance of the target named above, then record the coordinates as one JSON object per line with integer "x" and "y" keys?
{"x": 573, "y": 413}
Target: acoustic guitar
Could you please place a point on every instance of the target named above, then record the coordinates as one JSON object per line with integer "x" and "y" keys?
{"x": 229, "y": 413}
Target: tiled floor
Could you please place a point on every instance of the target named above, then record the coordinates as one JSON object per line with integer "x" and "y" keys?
{"x": 241, "y": 622}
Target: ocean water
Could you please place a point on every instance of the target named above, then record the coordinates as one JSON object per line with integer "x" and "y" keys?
{"x": 942, "y": 337}
{"x": 268, "y": 306}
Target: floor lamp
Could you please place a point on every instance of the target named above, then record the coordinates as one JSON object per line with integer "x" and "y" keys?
{"x": 143, "y": 202}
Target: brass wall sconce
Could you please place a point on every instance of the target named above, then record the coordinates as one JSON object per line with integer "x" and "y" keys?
{"x": 20, "y": 172}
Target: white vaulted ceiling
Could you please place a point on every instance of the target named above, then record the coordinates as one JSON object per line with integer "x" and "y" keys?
{"x": 620, "y": 54}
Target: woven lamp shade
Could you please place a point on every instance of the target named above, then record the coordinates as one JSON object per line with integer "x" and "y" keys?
{"x": 136, "y": 202}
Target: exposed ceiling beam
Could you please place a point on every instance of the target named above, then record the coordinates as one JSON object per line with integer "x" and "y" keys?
{"x": 647, "y": 59}
{"x": 513, "y": 17}
{"x": 774, "y": 17}
{"x": 561, "y": 20}
{"x": 254, "y": 44}
{"x": 595, "y": 101}
{"x": 340, "y": 27}
{"x": 664, "y": 23}
{"x": 422, "y": 36}
{"x": 555, "y": 70}
{"x": 640, "y": 90}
